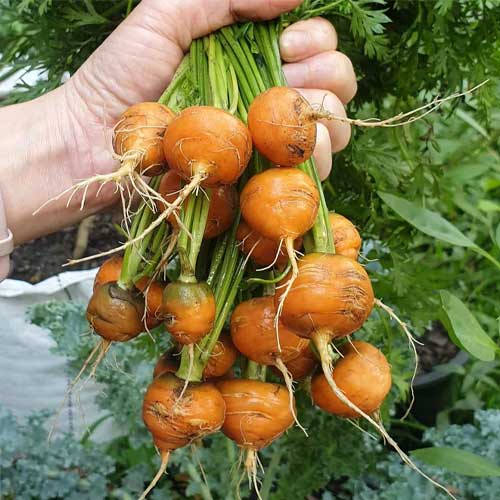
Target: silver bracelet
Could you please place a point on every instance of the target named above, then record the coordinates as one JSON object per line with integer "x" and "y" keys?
{"x": 7, "y": 244}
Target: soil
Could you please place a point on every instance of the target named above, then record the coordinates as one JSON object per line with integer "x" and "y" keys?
{"x": 42, "y": 258}
{"x": 437, "y": 348}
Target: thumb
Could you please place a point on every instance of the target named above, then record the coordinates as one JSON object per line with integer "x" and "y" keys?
{"x": 137, "y": 61}
{"x": 184, "y": 20}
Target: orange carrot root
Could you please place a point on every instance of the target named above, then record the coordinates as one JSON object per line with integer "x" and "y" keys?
{"x": 321, "y": 340}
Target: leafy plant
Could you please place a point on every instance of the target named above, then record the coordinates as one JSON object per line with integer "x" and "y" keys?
{"x": 124, "y": 378}
{"x": 405, "y": 53}
{"x": 389, "y": 480}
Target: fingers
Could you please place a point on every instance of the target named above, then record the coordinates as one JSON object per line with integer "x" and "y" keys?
{"x": 258, "y": 9}
{"x": 309, "y": 48}
{"x": 323, "y": 152}
{"x": 185, "y": 20}
{"x": 330, "y": 70}
{"x": 339, "y": 132}
{"x": 306, "y": 39}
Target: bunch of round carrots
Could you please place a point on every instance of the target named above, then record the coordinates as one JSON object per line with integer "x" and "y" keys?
{"x": 262, "y": 274}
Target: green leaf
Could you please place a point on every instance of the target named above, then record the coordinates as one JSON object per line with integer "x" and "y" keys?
{"x": 465, "y": 330}
{"x": 427, "y": 221}
{"x": 467, "y": 118}
{"x": 488, "y": 206}
{"x": 459, "y": 461}
{"x": 497, "y": 235}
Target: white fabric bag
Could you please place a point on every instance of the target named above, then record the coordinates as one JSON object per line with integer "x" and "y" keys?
{"x": 31, "y": 377}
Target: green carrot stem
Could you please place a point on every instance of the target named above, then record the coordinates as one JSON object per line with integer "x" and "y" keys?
{"x": 228, "y": 262}
{"x": 199, "y": 224}
{"x": 157, "y": 252}
{"x": 177, "y": 81}
{"x": 134, "y": 254}
{"x": 251, "y": 370}
{"x": 246, "y": 91}
{"x": 233, "y": 90}
{"x": 271, "y": 281}
{"x": 230, "y": 291}
{"x": 256, "y": 84}
{"x": 212, "y": 73}
{"x": 217, "y": 257}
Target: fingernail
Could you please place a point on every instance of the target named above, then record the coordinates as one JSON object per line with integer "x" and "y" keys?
{"x": 294, "y": 43}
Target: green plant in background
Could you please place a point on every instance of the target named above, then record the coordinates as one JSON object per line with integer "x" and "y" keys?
{"x": 31, "y": 467}
{"x": 472, "y": 473}
{"x": 425, "y": 199}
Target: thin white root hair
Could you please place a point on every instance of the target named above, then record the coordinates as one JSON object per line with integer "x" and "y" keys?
{"x": 185, "y": 192}
{"x": 295, "y": 272}
{"x": 105, "y": 346}
{"x": 411, "y": 341}
{"x": 163, "y": 467}
{"x": 364, "y": 431}
{"x": 251, "y": 462}
{"x": 287, "y": 377}
{"x": 321, "y": 340}
{"x": 126, "y": 170}
{"x": 401, "y": 118}
{"x": 70, "y": 388}
{"x": 276, "y": 257}
{"x": 247, "y": 258}
{"x": 242, "y": 475}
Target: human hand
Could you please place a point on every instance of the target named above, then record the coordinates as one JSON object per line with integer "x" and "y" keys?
{"x": 72, "y": 126}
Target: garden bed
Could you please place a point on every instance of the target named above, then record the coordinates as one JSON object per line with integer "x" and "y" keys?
{"x": 45, "y": 257}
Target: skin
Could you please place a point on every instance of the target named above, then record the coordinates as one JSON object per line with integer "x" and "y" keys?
{"x": 280, "y": 203}
{"x": 257, "y": 412}
{"x": 332, "y": 293}
{"x": 208, "y": 140}
{"x": 346, "y": 238}
{"x": 116, "y": 314}
{"x": 222, "y": 210}
{"x": 167, "y": 363}
{"x": 254, "y": 334}
{"x": 281, "y": 126}
{"x": 175, "y": 423}
{"x": 363, "y": 375}
{"x": 221, "y": 359}
{"x": 110, "y": 271}
{"x": 169, "y": 188}
{"x": 153, "y": 299}
{"x": 189, "y": 311}
{"x": 52, "y": 142}
{"x": 301, "y": 366}
{"x": 139, "y": 134}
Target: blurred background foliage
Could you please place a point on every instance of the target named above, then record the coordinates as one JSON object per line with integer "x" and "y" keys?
{"x": 405, "y": 53}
